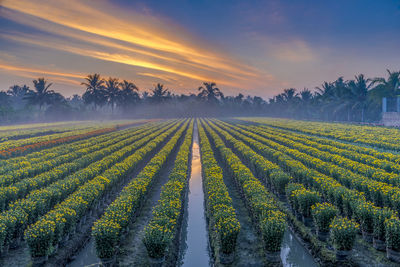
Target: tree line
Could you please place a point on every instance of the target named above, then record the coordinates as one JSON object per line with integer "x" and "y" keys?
{"x": 359, "y": 99}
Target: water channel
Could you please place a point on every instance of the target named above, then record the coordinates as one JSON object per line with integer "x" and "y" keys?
{"x": 196, "y": 250}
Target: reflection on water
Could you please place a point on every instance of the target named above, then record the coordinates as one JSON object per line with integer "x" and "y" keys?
{"x": 294, "y": 254}
{"x": 196, "y": 253}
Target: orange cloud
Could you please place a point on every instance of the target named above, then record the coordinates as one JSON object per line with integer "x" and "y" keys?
{"x": 145, "y": 36}
{"x": 61, "y": 77}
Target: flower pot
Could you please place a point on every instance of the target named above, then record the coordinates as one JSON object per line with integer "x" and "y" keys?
{"x": 39, "y": 261}
{"x": 282, "y": 197}
{"x": 55, "y": 249}
{"x": 342, "y": 255}
{"x": 379, "y": 244}
{"x": 273, "y": 256}
{"x": 323, "y": 236}
{"x": 307, "y": 221}
{"x": 108, "y": 262}
{"x": 15, "y": 243}
{"x": 226, "y": 258}
{"x": 156, "y": 262}
{"x": 5, "y": 249}
{"x": 72, "y": 232}
{"x": 64, "y": 240}
{"x": 393, "y": 255}
{"x": 367, "y": 236}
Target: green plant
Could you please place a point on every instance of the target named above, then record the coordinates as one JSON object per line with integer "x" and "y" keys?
{"x": 290, "y": 188}
{"x": 156, "y": 239}
{"x": 305, "y": 200}
{"x": 273, "y": 227}
{"x": 380, "y": 216}
{"x": 39, "y": 237}
{"x": 364, "y": 213}
{"x": 227, "y": 226}
{"x": 392, "y": 228}
{"x": 106, "y": 234}
{"x": 279, "y": 180}
{"x": 343, "y": 233}
{"x": 323, "y": 214}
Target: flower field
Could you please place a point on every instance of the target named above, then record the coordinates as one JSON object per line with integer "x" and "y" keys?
{"x": 117, "y": 193}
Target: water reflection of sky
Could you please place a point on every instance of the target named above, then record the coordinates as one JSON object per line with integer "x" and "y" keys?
{"x": 294, "y": 254}
{"x": 197, "y": 243}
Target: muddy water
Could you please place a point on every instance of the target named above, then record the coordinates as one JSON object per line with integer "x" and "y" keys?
{"x": 294, "y": 254}
{"x": 195, "y": 250}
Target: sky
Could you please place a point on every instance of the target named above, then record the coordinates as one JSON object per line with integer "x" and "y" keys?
{"x": 254, "y": 47}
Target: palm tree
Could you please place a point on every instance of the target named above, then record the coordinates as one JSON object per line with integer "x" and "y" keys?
{"x": 112, "y": 91}
{"x": 389, "y": 87}
{"x": 306, "y": 95}
{"x": 128, "y": 94}
{"x": 41, "y": 95}
{"x": 128, "y": 86}
{"x": 94, "y": 90}
{"x": 331, "y": 98}
{"x": 359, "y": 89}
{"x": 342, "y": 101}
{"x": 289, "y": 94}
{"x": 18, "y": 91}
{"x": 326, "y": 91}
{"x": 210, "y": 91}
{"x": 17, "y": 94}
{"x": 306, "y": 98}
{"x": 238, "y": 100}
{"x": 159, "y": 93}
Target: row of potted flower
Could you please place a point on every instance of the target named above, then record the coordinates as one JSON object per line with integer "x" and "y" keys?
{"x": 302, "y": 200}
{"x": 312, "y": 149}
{"x": 30, "y": 164}
{"x": 20, "y": 147}
{"x": 23, "y": 146}
{"x": 35, "y": 157}
{"x": 57, "y": 164}
{"x": 164, "y": 226}
{"x": 68, "y": 170}
{"x": 223, "y": 224}
{"x": 387, "y": 138}
{"x": 23, "y": 132}
{"x": 26, "y": 211}
{"x": 45, "y": 160}
{"x": 349, "y": 202}
{"x": 269, "y": 221}
{"x": 272, "y": 174}
{"x": 108, "y": 230}
{"x": 382, "y": 160}
{"x": 44, "y": 236}
{"x": 378, "y": 192}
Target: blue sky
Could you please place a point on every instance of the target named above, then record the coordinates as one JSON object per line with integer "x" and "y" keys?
{"x": 255, "y": 47}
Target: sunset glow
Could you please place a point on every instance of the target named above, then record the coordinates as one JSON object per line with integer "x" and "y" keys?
{"x": 140, "y": 42}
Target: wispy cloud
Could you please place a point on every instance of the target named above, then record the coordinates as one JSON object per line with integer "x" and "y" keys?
{"x": 27, "y": 72}
{"x": 289, "y": 49}
{"x": 153, "y": 44}
{"x": 295, "y": 51}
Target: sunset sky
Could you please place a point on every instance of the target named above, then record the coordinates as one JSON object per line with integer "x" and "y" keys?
{"x": 254, "y": 47}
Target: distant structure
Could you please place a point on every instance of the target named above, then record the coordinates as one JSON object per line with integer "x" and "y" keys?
{"x": 391, "y": 111}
